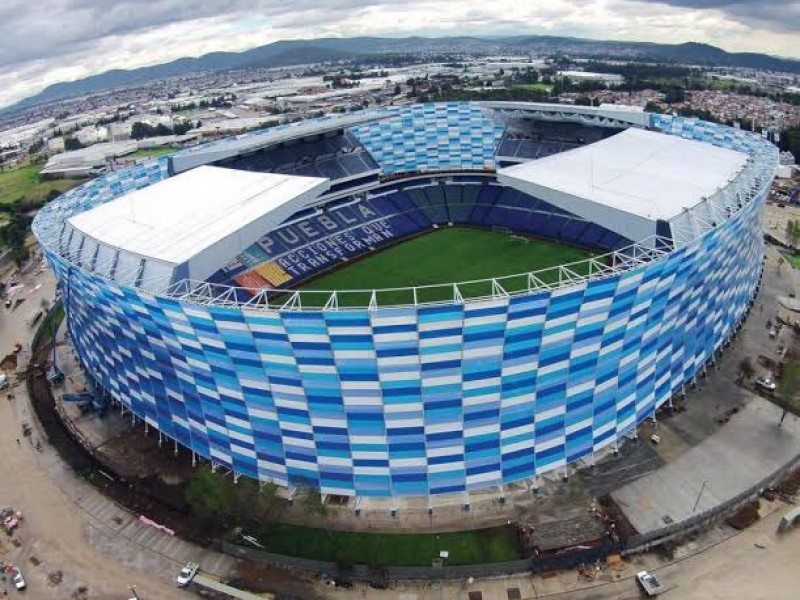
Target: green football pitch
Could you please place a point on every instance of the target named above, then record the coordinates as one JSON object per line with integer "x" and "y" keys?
{"x": 444, "y": 256}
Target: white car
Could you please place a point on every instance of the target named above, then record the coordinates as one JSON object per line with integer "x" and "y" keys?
{"x": 187, "y": 573}
{"x": 650, "y": 583}
{"x": 765, "y": 383}
{"x": 17, "y": 580}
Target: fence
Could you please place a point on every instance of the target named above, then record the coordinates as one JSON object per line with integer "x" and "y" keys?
{"x": 369, "y": 572}
{"x": 568, "y": 559}
{"x": 564, "y": 560}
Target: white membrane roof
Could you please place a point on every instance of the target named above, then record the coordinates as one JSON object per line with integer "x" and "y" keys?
{"x": 634, "y": 177}
{"x": 176, "y": 221}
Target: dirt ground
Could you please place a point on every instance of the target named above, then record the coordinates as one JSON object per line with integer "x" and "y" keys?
{"x": 53, "y": 535}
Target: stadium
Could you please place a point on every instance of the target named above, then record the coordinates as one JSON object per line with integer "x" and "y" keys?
{"x": 418, "y": 300}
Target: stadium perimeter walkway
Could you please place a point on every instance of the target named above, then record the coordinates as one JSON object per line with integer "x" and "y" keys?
{"x": 742, "y": 452}
{"x": 737, "y": 457}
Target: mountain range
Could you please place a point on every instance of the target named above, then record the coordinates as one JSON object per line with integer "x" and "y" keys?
{"x": 296, "y": 52}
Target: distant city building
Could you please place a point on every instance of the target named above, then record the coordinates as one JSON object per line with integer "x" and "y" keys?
{"x": 786, "y": 158}
{"x": 609, "y": 79}
{"x": 87, "y": 161}
{"x": 55, "y": 145}
{"x": 92, "y": 135}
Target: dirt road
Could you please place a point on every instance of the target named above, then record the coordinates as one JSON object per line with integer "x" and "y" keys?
{"x": 53, "y": 541}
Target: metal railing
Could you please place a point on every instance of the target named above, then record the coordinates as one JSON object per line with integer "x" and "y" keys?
{"x": 748, "y": 186}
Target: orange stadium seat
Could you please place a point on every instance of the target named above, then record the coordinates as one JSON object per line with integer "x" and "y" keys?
{"x": 273, "y": 273}
{"x": 251, "y": 281}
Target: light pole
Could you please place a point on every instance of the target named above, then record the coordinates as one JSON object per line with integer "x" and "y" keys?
{"x": 703, "y": 487}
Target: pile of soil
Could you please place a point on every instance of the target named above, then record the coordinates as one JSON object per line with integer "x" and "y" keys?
{"x": 745, "y": 516}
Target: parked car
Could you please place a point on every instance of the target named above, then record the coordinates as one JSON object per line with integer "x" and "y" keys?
{"x": 17, "y": 580}
{"x": 765, "y": 383}
{"x": 652, "y": 586}
{"x": 187, "y": 573}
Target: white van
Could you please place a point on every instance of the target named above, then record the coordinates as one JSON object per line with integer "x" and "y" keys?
{"x": 3, "y": 381}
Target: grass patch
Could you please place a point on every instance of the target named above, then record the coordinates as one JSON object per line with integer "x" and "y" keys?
{"x": 441, "y": 257}
{"x": 535, "y": 87}
{"x": 793, "y": 259}
{"x": 150, "y": 153}
{"x": 387, "y": 549}
{"x": 49, "y": 325}
{"x": 23, "y": 182}
{"x": 788, "y": 393}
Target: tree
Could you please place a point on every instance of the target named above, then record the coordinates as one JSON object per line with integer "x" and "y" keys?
{"x": 652, "y": 107}
{"x": 72, "y": 143}
{"x": 15, "y": 233}
{"x": 209, "y": 494}
{"x": 674, "y": 95}
{"x": 312, "y": 501}
{"x": 792, "y": 232}
{"x": 254, "y": 502}
{"x": 788, "y": 387}
{"x": 214, "y": 497}
{"x": 140, "y": 130}
{"x": 746, "y": 369}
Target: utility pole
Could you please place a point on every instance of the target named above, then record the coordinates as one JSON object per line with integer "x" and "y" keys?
{"x": 703, "y": 487}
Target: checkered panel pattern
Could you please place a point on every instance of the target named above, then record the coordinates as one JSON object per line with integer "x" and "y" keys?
{"x": 418, "y": 401}
{"x": 705, "y": 131}
{"x": 431, "y": 137}
{"x": 411, "y": 401}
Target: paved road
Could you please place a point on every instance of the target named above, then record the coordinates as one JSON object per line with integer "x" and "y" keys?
{"x": 735, "y": 568}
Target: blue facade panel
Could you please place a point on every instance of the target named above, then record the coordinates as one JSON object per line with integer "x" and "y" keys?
{"x": 414, "y": 401}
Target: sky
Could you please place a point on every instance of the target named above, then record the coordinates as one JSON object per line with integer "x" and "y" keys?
{"x": 47, "y": 41}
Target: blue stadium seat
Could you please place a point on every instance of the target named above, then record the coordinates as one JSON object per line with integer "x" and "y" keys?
{"x": 312, "y": 241}
{"x": 508, "y": 148}
{"x": 486, "y": 200}
{"x": 528, "y": 149}
{"x": 331, "y": 169}
{"x": 334, "y": 157}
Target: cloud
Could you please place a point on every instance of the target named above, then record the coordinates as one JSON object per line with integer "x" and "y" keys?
{"x": 779, "y": 15}
{"x": 48, "y": 41}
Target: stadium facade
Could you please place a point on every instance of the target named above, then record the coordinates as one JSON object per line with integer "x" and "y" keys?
{"x": 457, "y": 387}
